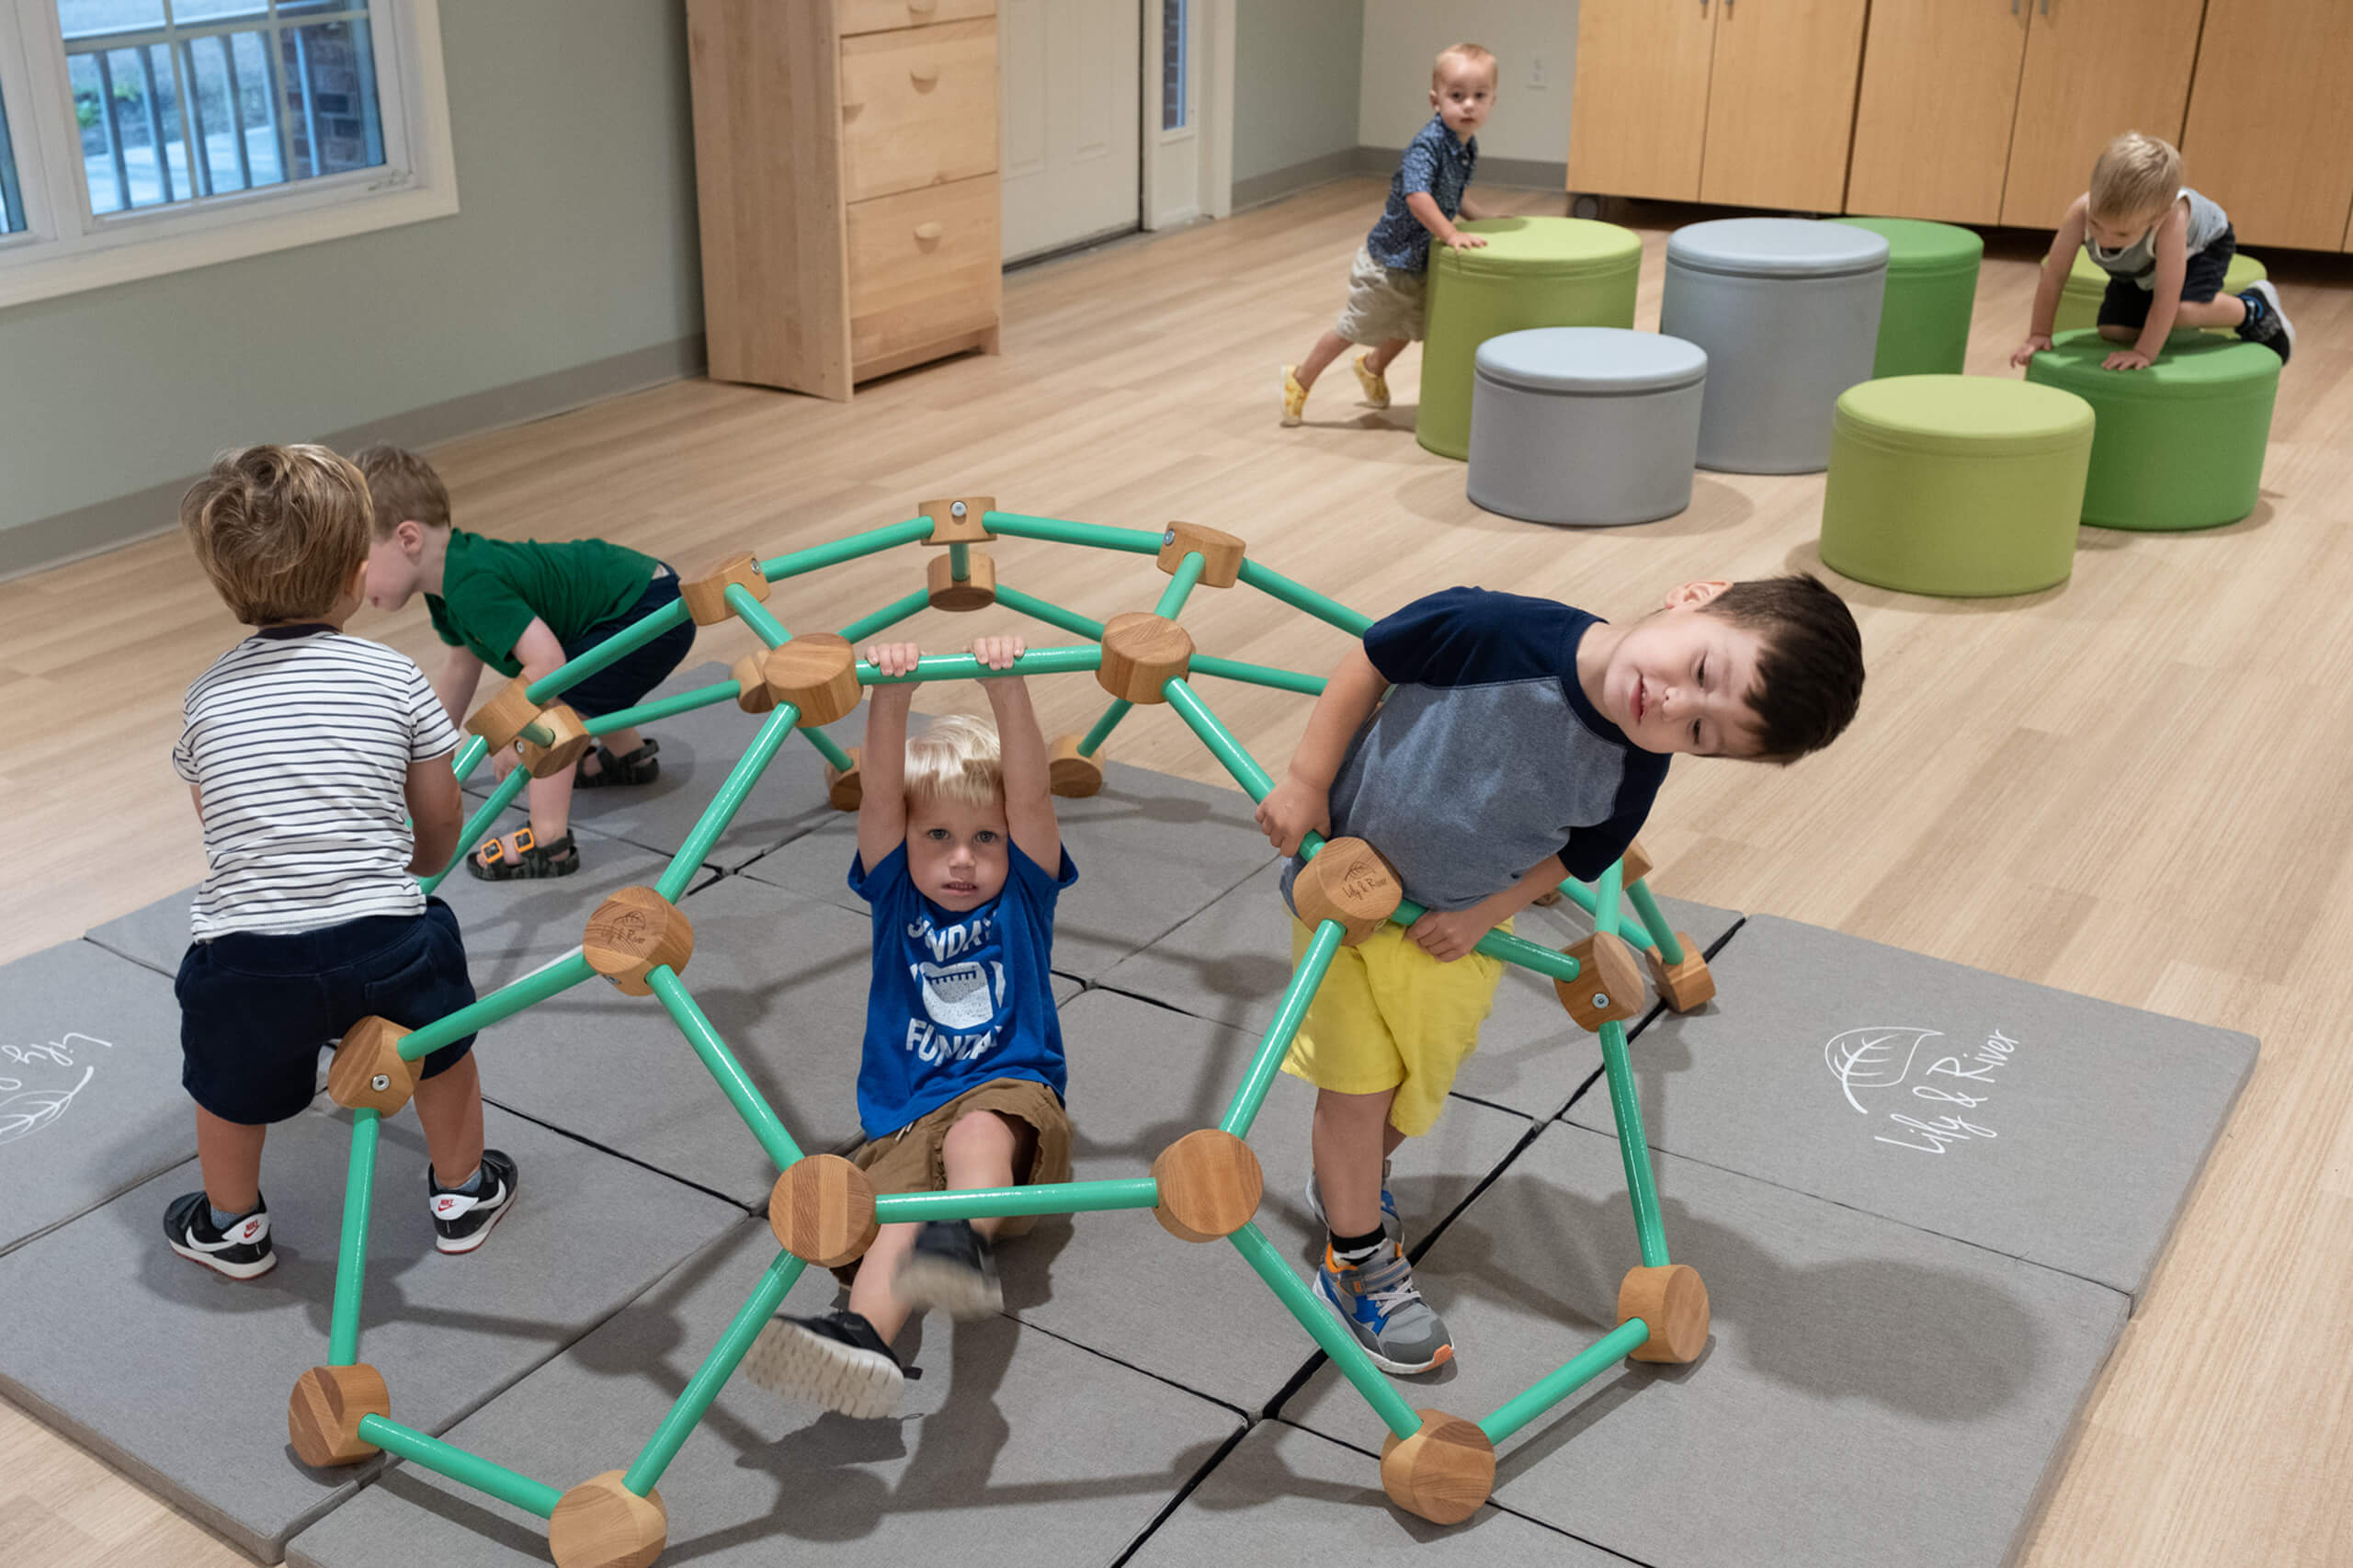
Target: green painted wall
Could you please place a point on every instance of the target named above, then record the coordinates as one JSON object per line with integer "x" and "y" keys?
{"x": 1296, "y": 64}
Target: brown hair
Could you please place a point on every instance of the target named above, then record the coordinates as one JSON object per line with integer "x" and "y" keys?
{"x": 405, "y": 488}
{"x": 1810, "y": 671}
{"x": 282, "y": 531}
{"x": 1468, "y": 53}
{"x": 2135, "y": 174}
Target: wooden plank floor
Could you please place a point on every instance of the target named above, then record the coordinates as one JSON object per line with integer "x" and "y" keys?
{"x": 2132, "y": 786}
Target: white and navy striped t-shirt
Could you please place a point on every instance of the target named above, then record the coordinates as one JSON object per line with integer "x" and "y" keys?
{"x": 299, "y": 739}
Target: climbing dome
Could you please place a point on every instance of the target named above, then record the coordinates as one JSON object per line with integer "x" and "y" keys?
{"x": 1205, "y": 1186}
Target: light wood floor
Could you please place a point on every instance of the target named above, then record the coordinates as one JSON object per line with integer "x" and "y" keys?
{"x": 2131, "y": 787}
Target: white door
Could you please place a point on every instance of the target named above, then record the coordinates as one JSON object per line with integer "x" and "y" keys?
{"x": 1069, "y": 110}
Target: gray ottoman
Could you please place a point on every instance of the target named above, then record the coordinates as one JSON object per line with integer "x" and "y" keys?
{"x": 1788, "y": 311}
{"x": 1589, "y": 424}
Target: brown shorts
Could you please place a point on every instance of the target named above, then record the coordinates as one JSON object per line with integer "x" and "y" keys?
{"x": 910, "y": 1159}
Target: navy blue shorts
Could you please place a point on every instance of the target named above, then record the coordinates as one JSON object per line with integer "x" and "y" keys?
{"x": 2126, "y": 304}
{"x": 254, "y": 1008}
{"x": 625, "y": 681}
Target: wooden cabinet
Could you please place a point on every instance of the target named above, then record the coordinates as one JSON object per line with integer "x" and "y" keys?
{"x": 2270, "y": 129}
{"x": 1939, "y": 93}
{"x": 2094, "y": 68}
{"x": 1745, "y": 101}
{"x": 845, "y": 160}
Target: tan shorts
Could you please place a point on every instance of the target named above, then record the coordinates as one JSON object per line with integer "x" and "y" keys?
{"x": 1383, "y": 304}
{"x": 910, "y": 1160}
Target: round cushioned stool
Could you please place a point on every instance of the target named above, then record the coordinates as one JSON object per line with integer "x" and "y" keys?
{"x": 2079, "y": 301}
{"x": 2181, "y": 443}
{"x": 1931, "y": 290}
{"x": 1957, "y": 485}
{"x": 1788, "y": 312}
{"x": 1531, "y": 272}
{"x": 1591, "y": 425}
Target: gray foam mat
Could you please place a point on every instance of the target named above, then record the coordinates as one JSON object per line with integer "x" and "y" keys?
{"x": 1142, "y": 1077}
{"x": 1152, "y": 850}
{"x": 1289, "y": 1496}
{"x": 1013, "y": 1447}
{"x": 180, "y": 1378}
{"x": 698, "y": 749}
{"x": 2044, "y": 1125}
{"x": 1231, "y": 962}
{"x": 90, "y": 1096}
{"x": 1870, "y": 1393}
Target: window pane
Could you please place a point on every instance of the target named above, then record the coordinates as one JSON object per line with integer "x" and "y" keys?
{"x": 330, "y": 78}
{"x": 12, "y": 199}
{"x": 1172, "y": 64}
{"x": 83, "y": 18}
{"x": 186, "y": 11}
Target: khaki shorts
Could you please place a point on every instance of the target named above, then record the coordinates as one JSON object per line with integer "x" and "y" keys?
{"x": 1383, "y": 304}
{"x": 1388, "y": 1016}
{"x": 910, "y": 1160}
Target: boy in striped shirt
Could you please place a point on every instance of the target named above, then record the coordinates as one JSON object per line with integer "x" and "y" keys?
{"x": 307, "y": 752}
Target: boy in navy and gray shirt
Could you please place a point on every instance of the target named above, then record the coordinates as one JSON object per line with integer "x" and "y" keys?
{"x": 1426, "y": 195}
{"x": 1488, "y": 745}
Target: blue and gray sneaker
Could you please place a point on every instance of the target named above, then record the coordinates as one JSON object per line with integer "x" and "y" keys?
{"x": 2265, "y": 323}
{"x": 1378, "y": 1303}
{"x": 1391, "y": 1226}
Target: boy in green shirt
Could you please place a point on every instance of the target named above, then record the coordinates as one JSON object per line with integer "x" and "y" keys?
{"x": 523, "y": 608}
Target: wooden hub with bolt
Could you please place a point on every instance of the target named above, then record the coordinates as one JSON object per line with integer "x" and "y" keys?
{"x": 1685, "y": 985}
{"x": 1210, "y": 1186}
{"x": 634, "y": 932}
{"x": 368, "y": 1073}
{"x": 957, "y": 520}
{"x": 503, "y": 714}
{"x": 1442, "y": 1473}
{"x": 976, "y": 591}
{"x": 821, "y": 1209}
{"x": 1070, "y": 772}
{"x": 1220, "y": 552}
{"x": 602, "y": 1524}
{"x": 706, "y": 591}
{"x": 844, "y": 787}
{"x": 1348, "y": 881}
{"x": 1141, "y": 652}
{"x": 554, "y": 740}
{"x": 1608, "y": 986}
{"x": 817, "y": 673}
{"x": 322, "y": 1414}
{"x": 1672, "y": 1301}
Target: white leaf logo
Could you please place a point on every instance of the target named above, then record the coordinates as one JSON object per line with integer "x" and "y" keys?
{"x": 1875, "y": 1058}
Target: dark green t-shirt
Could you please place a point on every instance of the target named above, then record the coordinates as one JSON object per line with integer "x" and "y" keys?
{"x": 492, "y": 588}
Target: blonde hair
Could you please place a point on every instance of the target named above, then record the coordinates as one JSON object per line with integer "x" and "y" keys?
{"x": 404, "y": 487}
{"x": 2135, "y": 174}
{"x": 1468, "y": 53}
{"x": 955, "y": 759}
{"x": 282, "y": 531}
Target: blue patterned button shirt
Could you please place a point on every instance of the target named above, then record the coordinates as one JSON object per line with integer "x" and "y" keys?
{"x": 1433, "y": 161}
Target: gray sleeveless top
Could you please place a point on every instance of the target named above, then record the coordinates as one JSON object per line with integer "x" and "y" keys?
{"x": 2138, "y": 260}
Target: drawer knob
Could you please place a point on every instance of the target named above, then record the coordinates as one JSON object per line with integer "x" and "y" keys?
{"x": 923, "y": 76}
{"x": 927, "y": 233}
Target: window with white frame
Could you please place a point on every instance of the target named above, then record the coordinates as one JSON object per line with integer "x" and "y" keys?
{"x": 153, "y": 135}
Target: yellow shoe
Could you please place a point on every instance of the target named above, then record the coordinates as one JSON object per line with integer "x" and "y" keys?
{"x": 1375, "y": 384}
{"x": 1294, "y": 396}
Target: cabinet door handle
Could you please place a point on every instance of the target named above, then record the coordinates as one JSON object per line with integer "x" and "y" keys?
{"x": 926, "y": 233}
{"x": 923, "y": 76}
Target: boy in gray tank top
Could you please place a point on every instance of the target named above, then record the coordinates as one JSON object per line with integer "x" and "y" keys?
{"x": 2167, "y": 251}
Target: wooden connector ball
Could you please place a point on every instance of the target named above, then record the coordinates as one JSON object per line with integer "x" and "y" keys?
{"x": 1140, "y": 651}
{"x": 1070, "y": 772}
{"x": 977, "y": 591}
{"x": 817, "y": 673}
{"x": 368, "y": 1073}
{"x": 1220, "y": 552}
{"x": 1210, "y": 1186}
{"x": 1443, "y": 1472}
{"x": 1348, "y": 881}
{"x": 503, "y": 714}
{"x": 821, "y": 1209}
{"x": 706, "y": 591}
{"x": 957, "y": 520}
{"x": 1672, "y": 1301}
{"x": 752, "y": 693}
{"x": 602, "y": 1524}
{"x": 633, "y": 933}
{"x": 323, "y": 1415}
{"x": 1685, "y": 985}
{"x": 568, "y": 739}
{"x": 1636, "y": 862}
{"x": 845, "y": 788}
{"x": 1608, "y": 985}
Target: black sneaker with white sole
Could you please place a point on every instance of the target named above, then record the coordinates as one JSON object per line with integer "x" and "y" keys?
{"x": 2265, "y": 323}
{"x": 837, "y": 1361}
{"x": 461, "y": 1219}
{"x": 951, "y": 1268}
{"x": 241, "y": 1252}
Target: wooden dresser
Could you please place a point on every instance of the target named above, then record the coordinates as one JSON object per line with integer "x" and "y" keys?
{"x": 845, "y": 156}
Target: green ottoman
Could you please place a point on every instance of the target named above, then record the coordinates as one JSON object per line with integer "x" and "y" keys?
{"x": 1931, "y": 290}
{"x": 1531, "y": 272}
{"x": 2079, "y": 301}
{"x": 1965, "y": 487}
{"x": 2181, "y": 444}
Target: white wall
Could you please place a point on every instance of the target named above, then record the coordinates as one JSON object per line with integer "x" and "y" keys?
{"x": 1295, "y": 72}
{"x": 1529, "y": 121}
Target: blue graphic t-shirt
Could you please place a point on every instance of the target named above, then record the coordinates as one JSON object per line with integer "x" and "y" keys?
{"x": 957, "y": 999}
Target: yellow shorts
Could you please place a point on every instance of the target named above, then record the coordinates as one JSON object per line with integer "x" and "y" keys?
{"x": 1391, "y": 1017}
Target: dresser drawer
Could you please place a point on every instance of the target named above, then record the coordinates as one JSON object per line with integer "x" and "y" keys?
{"x": 923, "y": 266}
{"x": 877, "y": 15}
{"x": 918, "y": 108}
